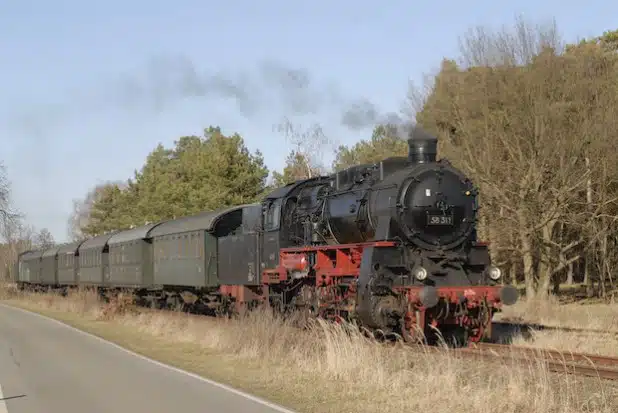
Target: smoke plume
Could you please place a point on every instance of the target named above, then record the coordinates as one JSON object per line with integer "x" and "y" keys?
{"x": 165, "y": 81}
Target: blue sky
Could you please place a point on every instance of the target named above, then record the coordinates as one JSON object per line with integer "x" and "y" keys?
{"x": 83, "y": 95}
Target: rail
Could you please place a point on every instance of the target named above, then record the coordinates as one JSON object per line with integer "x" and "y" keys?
{"x": 543, "y": 327}
{"x": 580, "y": 364}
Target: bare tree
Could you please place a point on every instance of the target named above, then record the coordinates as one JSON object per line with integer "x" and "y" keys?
{"x": 515, "y": 46}
{"x": 7, "y": 215}
{"x": 523, "y": 119}
{"x": 80, "y": 217}
{"x": 11, "y": 228}
{"x": 44, "y": 239}
{"x": 309, "y": 144}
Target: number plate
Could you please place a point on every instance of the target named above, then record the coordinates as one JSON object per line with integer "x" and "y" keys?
{"x": 439, "y": 219}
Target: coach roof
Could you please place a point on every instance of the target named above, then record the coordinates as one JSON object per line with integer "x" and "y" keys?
{"x": 70, "y": 248}
{"x": 203, "y": 221}
{"x": 98, "y": 242}
{"x": 133, "y": 234}
{"x": 31, "y": 255}
{"x": 51, "y": 252}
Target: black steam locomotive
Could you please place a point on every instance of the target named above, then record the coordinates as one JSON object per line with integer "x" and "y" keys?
{"x": 390, "y": 245}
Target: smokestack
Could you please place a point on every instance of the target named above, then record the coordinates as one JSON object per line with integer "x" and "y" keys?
{"x": 422, "y": 147}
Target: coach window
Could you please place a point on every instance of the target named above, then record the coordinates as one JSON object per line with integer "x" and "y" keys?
{"x": 159, "y": 245}
{"x": 271, "y": 220}
{"x": 194, "y": 247}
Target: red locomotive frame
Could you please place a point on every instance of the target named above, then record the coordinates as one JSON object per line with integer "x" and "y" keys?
{"x": 339, "y": 265}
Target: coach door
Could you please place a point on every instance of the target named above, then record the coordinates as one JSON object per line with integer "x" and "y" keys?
{"x": 252, "y": 232}
{"x": 271, "y": 217}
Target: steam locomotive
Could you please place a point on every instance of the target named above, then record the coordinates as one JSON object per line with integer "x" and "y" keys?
{"x": 391, "y": 245}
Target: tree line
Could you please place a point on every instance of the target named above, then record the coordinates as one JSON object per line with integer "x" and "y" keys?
{"x": 531, "y": 120}
{"x": 534, "y": 123}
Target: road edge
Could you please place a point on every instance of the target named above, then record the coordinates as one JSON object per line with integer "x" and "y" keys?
{"x": 222, "y": 386}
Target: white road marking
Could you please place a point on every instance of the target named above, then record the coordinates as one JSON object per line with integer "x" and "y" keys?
{"x": 222, "y": 386}
{"x": 3, "y": 408}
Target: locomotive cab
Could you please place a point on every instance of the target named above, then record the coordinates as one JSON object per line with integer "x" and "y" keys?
{"x": 289, "y": 217}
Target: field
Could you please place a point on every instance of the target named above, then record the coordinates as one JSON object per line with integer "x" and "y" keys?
{"x": 327, "y": 369}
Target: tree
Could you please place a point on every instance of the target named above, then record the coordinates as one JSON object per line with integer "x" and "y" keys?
{"x": 306, "y": 159}
{"x": 80, "y": 217}
{"x": 521, "y": 117}
{"x": 198, "y": 174}
{"x": 17, "y": 237}
{"x": 7, "y": 215}
{"x": 607, "y": 42}
{"x": 601, "y": 187}
{"x": 297, "y": 167}
{"x": 110, "y": 211}
{"x": 44, "y": 239}
{"x": 385, "y": 142}
{"x": 232, "y": 174}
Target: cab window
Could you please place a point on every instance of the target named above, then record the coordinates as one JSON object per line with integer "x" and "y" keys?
{"x": 272, "y": 215}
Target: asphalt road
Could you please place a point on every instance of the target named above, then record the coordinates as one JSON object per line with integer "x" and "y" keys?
{"x": 47, "y": 367}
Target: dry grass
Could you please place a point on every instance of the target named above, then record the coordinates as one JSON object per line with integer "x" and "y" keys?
{"x": 606, "y": 345}
{"x": 576, "y": 315}
{"x": 552, "y": 313}
{"x": 325, "y": 369}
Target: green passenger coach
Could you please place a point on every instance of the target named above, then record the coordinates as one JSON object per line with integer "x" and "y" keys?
{"x": 49, "y": 266}
{"x": 68, "y": 263}
{"x": 30, "y": 268}
{"x": 130, "y": 257}
{"x": 93, "y": 261}
{"x": 185, "y": 249}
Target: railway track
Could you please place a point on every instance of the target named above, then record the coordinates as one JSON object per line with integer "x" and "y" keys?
{"x": 556, "y": 361}
{"x": 543, "y": 327}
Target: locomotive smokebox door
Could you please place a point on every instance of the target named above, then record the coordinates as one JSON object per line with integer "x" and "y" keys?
{"x": 435, "y": 211}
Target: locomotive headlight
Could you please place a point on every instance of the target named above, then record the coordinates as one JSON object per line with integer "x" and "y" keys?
{"x": 420, "y": 273}
{"x": 494, "y": 273}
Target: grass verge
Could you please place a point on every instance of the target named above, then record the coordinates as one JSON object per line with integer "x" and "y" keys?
{"x": 550, "y": 312}
{"x": 326, "y": 368}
